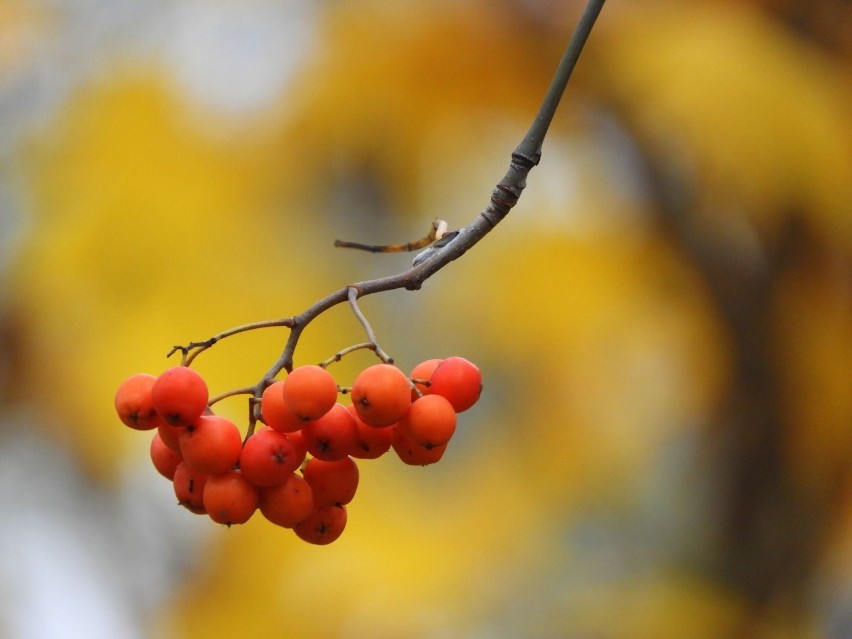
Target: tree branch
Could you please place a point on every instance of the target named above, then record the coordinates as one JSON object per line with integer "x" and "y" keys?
{"x": 503, "y": 198}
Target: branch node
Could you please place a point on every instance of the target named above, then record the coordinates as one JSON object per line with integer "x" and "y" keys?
{"x": 526, "y": 161}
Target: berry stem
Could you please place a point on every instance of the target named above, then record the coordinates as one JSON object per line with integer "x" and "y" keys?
{"x": 340, "y": 354}
{"x": 247, "y": 390}
{"x": 371, "y": 335}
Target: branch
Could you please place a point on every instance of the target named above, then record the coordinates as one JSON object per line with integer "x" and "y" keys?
{"x": 194, "y": 349}
{"x": 531, "y": 145}
{"x": 503, "y": 198}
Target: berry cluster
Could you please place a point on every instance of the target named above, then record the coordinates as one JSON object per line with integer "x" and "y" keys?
{"x": 299, "y": 468}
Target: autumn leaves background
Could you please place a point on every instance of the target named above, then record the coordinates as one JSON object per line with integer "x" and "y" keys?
{"x": 664, "y": 322}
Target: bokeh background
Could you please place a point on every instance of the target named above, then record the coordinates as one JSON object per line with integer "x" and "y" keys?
{"x": 664, "y": 445}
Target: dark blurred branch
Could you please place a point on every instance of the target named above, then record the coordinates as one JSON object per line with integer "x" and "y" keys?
{"x": 770, "y": 531}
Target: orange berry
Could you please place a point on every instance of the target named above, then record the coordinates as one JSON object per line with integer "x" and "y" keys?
{"x": 189, "y": 488}
{"x": 332, "y": 482}
{"x": 309, "y": 391}
{"x": 297, "y": 438}
{"x": 211, "y": 444}
{"x": 169, "y": 435}
{"x": 459, "y": 381}
{"x": 381, "y": 394}
{"x": 287, "y": 503}
{"x": 431, "y": 421}
{"x": 268, "y": 458}
{"x": 372, "y": 442}
{"x": 423, "y": 371}
{"x": 275, "y": 412}
{"x": 179, "y": 395}
{"x": 412, "y": 453}
{"x": 165, "y": 459}
{"x": 134, "y": 404}
{"x": 230, "y": 498}
{"x": 332, "y": 436}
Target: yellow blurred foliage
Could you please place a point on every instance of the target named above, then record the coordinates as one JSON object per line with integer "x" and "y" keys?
{"x": 600, "y": 345}
{"x": 391, "y": 76}
{"x": 147, "y": 235}
{"x": 608, "y": 392}
{"x": 758, "y": 117}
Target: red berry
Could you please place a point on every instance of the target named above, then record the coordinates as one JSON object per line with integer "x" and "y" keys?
{"x": 179, "y": 395}
{"x": 323, "y": 525}
{"x": 275, "y": 412}
{"x": 268, "y": 458}
{"x": 372, "y": 442}
{"x": 297, "y": 438}
{"x": 133, "y": 402}
{"x": 189, "y": 488}
{"x": 211, "y": 444}
{"x": 381, "y": 394}
{"x": 332, "y": 482}
{"x": 165, "y": 459}
{"x": 459, "y": 381}
{"x": 412, "y": 453}
{"x": 229, "y": 498}
{"x": 169, "y": 435}
{"x": 423, "y": 372}
{"x": 332, "y": 436}
{"x": 287, "y": 503}
{"x": 431, "y": 421}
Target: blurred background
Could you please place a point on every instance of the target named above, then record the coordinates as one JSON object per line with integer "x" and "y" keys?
{"x": 663, "y": 448}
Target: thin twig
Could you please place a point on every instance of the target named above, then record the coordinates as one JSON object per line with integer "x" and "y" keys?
{"x": 194, "y": 349}
{"x": 248, "y": 390}
{"x": 371, "y": 335}
{"x": 345, "y": 351}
